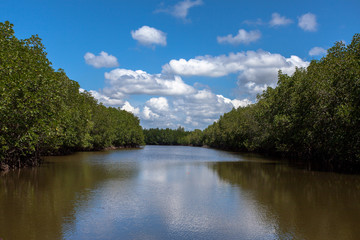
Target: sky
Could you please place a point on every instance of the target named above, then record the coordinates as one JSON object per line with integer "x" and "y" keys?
{"x": 181, "y": 62}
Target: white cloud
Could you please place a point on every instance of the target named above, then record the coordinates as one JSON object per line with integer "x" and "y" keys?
{"x": 188, "y": 120}
{"x": 257, "y": 88}
{"x": 196, "y": 110}
{"x": 307, "y": 22}
{"x": 185, "y": 105}
{"x": 130, "y": 82}
{"x": 177, "y": 103}
{"x": 240, "y": 103}
{"x": 149, "y": 36}
{"x": 242, "y": 37}
{"x": 158, "y": 104}
{"x": 258, "y": 78}
{"x": 181, "y": 9}
{"x": 277, "y": 20}
{"x": 148, "y": 114}
{"x": 317, "y": 51}
{"x": 256, "y": 70}
{"x": 127, "y": 107}
{"x": 191, "y": 108}
{"x": 199, "y": 66}
{"x": 102, "y": 60}
{"x": 251, "y": 65}
{"x": 204, "y": 107}
{"x": 106, "y": 100}
{"x": 236, "y": 103}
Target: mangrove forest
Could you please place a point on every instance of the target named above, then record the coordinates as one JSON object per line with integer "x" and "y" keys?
{"x": 313, "y": 115}
{"x": 43, "y": 112}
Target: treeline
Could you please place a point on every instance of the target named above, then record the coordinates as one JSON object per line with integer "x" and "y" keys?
{"x": 156, "y": 136}
{"x": 43, "y": 112}
{"x": 312, "y": 115}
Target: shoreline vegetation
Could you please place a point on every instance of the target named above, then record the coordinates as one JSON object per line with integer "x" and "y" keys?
{"x": 311, "y": 117}
{"x": 43, "y": 112}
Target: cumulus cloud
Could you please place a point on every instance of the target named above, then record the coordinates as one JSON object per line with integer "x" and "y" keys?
{"x": 149, "y": 36}
{"x": 256, "y": 70}
{"x": 176, "y": 103}
{"x": 245, "y": 63}
{"x": 159, "y": 104}
{"x": 129, "y": 82}
{"x": 257, "y": 78}
{"x": 307, "y": 22}
{"x": 317, "y": 51}
{"x": 127, "y": 107}
{"x": 257, "y": 88}
{"x": 242, "y": 37}
{"x": 106, "y": 100}
{"x": 102, "y": 60}
{"x": 181, "y": 9}
{"x": 196, "y": 110}
{"x": 147, "y": 114}
{"x": 205, "y": 107}
{"x": 236, "y": 103}
{"x": 277, "y": 20}
{"x": 240, "y": 103}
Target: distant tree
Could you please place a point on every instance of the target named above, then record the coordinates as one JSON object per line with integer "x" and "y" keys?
{"x": 156, "y": 136}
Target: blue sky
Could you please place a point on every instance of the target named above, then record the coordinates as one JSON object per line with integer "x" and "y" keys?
{"x": 182, "y": 62}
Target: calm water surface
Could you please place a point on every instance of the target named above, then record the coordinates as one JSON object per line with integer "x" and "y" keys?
{"x": 168, "y": 192}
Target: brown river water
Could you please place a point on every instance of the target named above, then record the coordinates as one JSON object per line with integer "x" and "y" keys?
{"x": 176, "y": 192}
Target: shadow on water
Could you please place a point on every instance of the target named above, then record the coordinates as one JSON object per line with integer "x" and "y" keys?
{"x": 35, "y": 203}
{"x": 176, "y": 193}
{"x": 301, "y": 204}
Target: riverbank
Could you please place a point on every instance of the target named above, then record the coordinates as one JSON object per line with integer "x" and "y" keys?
{"x": 311, "y": 164}
{"x": 6, "y": 166}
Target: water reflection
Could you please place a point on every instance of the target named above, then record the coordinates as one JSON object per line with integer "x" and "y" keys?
{"x": 302, "y": 204}
{"x": 173, "y": 196}
{"x": 34, "y": 203}
{"x": 176, "y": 193}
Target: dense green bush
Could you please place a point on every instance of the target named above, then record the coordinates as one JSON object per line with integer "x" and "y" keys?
{"x": 313, "y": 114}
{"x": 43, "y": 112}
{"x": 156, "y": 136}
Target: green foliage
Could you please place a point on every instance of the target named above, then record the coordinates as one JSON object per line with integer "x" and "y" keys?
{"x": 195, "y": 138}
{"x": 313, "y": 114}
{"x": 43, "y": 112}
{"x": 156, "y": 136}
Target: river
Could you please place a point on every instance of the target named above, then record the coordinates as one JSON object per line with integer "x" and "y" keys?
{"x": 176, "y": 192}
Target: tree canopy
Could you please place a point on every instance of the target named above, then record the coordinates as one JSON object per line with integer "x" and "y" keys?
{"x": 43, "y": 112}
{"x": 312, "y": 115}
{"x": 156, "y": 136}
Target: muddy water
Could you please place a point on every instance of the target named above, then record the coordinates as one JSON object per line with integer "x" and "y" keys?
{"x": 174, "y": 192}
